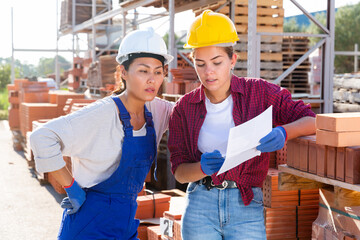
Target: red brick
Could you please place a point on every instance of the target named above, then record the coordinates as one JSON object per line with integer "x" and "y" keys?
{"x": 10, "y": 87}
{"x": 154, "y": 233}
{"x": 34, "y": 111}
{"x": 340, "y": 164}
{"x": 338, "y": 139}
{"x": 303, "y": 153}
{"x": 142, "y": 232}
{"x": 321, "y": 160}
{"x": 352, "y": 165}
{"x": 331, "y": 162}
{"x": 14, "y": 119}
{"x": 273, "y": 197}
{"x": 146, "y": 205}
{"x": 281, "y": 156}
{"x": 312, "y": 155}
{"x": 338, "y": 122}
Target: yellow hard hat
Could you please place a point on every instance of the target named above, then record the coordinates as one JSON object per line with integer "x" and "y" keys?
{"x": 211, "y": 28}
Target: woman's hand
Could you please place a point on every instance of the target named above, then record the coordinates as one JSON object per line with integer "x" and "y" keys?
{"x": 211, "y": 162}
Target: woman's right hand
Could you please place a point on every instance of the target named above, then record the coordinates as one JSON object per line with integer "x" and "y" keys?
{"x": 211, "y": 162}
{"x": 76, "y": 198}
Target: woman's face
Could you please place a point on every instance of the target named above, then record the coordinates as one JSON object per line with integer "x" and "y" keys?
{"x": 213, "y": 67}
{"x": 144, "y": 78}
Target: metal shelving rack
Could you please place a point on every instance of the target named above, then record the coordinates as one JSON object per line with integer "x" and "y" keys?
{"x": 94, "y": 29}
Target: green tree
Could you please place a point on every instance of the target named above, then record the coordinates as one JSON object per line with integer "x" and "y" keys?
{"x": 347, "y": 21}
{"x": 21, "y": 70}
{"x": 292, "y": 26}
{"x": 314, "y": 29}
{"x": 47, "y": 66}
{"x": 5, "y": 75}
{"x": 166, "y": 39}
{"x": 347, "y": 24}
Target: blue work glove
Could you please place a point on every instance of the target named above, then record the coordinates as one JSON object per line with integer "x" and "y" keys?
{"x": 275, "y": 140}
{"x": 211, "y": 162}
{"x": 76, "y": 197}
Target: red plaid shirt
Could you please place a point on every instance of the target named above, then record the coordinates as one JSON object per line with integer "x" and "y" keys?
{"x": 251, "y": 97}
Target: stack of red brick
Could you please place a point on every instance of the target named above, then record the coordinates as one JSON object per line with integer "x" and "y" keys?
{"x": 184, "y": 78}
{"x": 288, "y": 214}
{"x": 79, "y": 73}
{"x": 163, "y": 202}
{"x": 31, "y": 105}
{"x": 335, "y": 150}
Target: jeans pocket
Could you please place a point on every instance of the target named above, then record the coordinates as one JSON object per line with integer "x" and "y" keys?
{"x": 258, "y": 195}
{"x": 192, "y": 187}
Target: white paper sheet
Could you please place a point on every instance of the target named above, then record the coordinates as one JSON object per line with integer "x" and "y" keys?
{"x": 243, "y": 140}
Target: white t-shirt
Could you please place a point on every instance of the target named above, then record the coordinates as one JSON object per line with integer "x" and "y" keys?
{"x": 92, "y": 137}
{"x": 215, "y": 130}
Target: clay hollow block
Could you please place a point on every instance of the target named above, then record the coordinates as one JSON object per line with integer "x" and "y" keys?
{"x": 331, "y": 162}
{"x": 321, "y": 160}
{"x": 352, "y": 165}
{"x": 340, "y": 164}
{"x": 339, "y": 122}
{"x": 312, "y": 155}
{"x": 337, "y": 139}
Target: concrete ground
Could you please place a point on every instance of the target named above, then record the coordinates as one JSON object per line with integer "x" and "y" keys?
{"x": 28, "y": 210}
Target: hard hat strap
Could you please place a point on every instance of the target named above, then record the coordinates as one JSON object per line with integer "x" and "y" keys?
{"x": 133, "y": 56}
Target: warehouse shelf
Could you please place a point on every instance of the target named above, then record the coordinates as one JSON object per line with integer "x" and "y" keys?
{"x": 315, "y": 180}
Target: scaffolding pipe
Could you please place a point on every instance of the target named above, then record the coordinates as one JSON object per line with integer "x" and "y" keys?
{"x": 12, "y": 47}
{"x": 171, "y": 40}
{"x": 356, "y": 59}
{"x": 252, "y": 51}
{"x": 123, "y": 23}
{"x": 57, "y": 74}
{"x": 93, "y": 50}
{"x": 328, "y": 57}
{"x": 73, "y": 23}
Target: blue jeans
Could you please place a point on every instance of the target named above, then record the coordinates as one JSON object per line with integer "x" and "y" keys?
{"x": 221, "y": 214}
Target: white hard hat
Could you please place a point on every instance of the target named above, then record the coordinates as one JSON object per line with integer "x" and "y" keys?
{"x": 142, "y": 41}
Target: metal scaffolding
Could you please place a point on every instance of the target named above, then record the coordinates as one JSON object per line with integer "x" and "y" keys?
{"x": 94, "y": 28}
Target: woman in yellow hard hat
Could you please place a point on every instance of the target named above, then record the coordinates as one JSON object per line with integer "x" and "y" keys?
{"x": 112, "y": 144}
{"x": 230, "y": 205}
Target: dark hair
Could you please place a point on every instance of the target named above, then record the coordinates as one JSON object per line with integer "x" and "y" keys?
{"x": 122, "y": 83}
{"x": 228, "y": 50}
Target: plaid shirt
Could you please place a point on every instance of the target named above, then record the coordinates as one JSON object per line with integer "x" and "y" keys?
{"x": 251, "y": 97}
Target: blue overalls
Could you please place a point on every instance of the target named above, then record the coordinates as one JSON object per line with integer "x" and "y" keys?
{"x": 110, "y": 206}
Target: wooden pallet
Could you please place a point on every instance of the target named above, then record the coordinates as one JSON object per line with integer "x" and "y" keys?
{"x": 270, "y": 14}
{"x": 293, "y": 49}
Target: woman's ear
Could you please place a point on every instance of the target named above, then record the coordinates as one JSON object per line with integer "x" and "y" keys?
{"x": 123, "y": 72}
{"x": 233, "y": 60}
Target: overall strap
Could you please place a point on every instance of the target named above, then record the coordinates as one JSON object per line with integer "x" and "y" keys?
{"x": 148, "y": 117}
{"x": 151, "y": 129}
{"x": 124, "y": 117}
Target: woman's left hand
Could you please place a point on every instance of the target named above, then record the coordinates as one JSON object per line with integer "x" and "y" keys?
{"x": 275, "y": 140}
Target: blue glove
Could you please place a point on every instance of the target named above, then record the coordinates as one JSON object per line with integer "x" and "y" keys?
{"x": 76, "y": 197}
{"x": 275, "y": 140}
{"x": 211, "y": 162}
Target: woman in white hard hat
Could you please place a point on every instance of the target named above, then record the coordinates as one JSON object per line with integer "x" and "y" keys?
{"x": 112, "y": 144}
{"x": 227, "y": 206}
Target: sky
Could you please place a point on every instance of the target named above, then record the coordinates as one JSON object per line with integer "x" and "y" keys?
{"x": 34, "y": 24}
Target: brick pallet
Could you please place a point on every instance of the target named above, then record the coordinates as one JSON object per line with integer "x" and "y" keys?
{"x": 270, "y": 14}
{"x": 288, "y": 214}
{"x": 60, "y": 98}
{"x": 325, "y": 155}
{"x": 102, "y": 72}
{"x": 34, "y": 111}
{"x": 83, "y": 13}
{"x": 270, "y": 17}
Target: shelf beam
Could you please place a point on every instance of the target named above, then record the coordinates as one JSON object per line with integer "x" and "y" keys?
{"x": 286, "y": 183}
